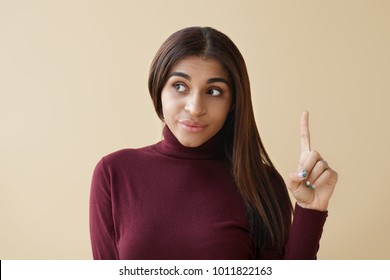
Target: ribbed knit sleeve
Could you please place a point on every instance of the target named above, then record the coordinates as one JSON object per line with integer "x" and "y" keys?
{"x": 102, "y": 230}
{"x": 305, "y": 234}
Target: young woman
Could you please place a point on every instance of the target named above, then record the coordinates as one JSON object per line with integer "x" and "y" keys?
{"x": 208, "y": 190}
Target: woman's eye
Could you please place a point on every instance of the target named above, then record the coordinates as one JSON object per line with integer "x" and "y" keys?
{"x": 214, "y": 92}
{"x": 179, "y": 87}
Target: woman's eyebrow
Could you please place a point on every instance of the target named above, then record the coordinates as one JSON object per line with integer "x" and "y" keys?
{"x": 217, "y": 80}
{"x": 209, "y": 81}
{"x": 180, "y": 74}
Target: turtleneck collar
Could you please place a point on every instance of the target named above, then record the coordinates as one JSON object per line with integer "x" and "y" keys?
{"x": 170, "y": 146}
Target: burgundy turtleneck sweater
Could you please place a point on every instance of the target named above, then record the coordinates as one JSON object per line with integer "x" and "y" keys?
{"x": 167, "y": 201}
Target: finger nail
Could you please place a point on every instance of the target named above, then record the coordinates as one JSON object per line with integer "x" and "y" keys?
{"x": 309, "y": 185}
{"x": 302, "y": 174}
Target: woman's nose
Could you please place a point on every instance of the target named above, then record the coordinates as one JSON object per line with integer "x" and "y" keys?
{"x": 195, "y": 105}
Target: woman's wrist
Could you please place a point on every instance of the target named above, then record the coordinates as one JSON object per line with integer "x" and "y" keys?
{"x": 322, "y": 208}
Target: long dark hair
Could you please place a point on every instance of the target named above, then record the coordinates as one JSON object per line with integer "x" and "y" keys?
{"x": 260, "y": 185}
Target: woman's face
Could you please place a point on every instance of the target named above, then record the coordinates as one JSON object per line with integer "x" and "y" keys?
{"x": 196, "y": 100}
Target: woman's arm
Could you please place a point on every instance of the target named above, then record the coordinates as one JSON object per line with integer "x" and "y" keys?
{"x": 312, "y": 185}
{"x": 102, "y": 229}
{"x": 304, "y": 227}
{"x": 305, "y": 234}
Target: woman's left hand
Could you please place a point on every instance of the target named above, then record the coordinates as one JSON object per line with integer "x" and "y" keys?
{"x": 313, "y": 183}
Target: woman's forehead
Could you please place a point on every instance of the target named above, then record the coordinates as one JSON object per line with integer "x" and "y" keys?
{"x": 195, "y": 66}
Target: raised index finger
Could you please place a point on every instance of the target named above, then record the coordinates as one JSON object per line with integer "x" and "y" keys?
{"x": 305, "y": 134}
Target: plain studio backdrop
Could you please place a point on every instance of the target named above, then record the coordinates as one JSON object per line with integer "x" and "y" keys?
{"x": 73, "y": 88}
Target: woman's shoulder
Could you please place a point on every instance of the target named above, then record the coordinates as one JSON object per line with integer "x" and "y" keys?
{"x": 128, "y": 155}
{"x": 125, "y": 153}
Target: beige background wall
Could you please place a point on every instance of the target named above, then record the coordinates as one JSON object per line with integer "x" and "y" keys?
{"x": 73, "y": 87}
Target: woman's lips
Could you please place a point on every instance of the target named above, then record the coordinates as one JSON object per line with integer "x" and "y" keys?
{"x": 192, "y": 126}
